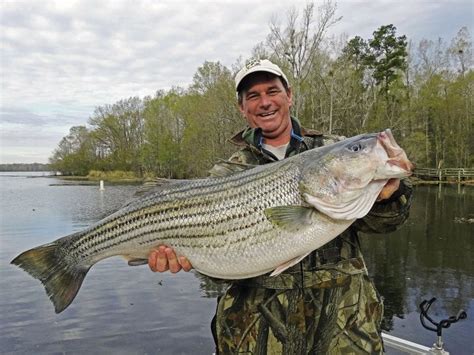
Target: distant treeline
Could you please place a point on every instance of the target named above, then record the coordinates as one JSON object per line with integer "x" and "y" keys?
{"x": 422, "y": 91}
{"x": 25, "y": 167}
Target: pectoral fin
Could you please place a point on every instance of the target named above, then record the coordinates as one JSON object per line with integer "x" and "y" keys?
{"x": 288, "y": 264}
{"x": 290, "y": 217}
{"x": 293, "y": 218}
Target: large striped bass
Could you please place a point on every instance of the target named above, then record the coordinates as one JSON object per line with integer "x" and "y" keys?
{"x": 250, "y": 223}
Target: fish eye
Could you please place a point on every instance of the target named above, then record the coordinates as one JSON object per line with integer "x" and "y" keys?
{"x": 355, "y": 147}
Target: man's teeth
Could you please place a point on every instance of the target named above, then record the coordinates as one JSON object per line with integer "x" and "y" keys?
{"x": 267, "y": 114}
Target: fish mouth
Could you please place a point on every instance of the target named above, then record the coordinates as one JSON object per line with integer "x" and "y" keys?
{"x": 396, "y": 155}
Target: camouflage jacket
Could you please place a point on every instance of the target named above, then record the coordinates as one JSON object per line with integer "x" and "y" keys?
{"x": 324, "y": 304}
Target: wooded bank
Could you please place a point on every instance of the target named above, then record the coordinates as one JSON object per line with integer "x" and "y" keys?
{"x": 422, "y": 91}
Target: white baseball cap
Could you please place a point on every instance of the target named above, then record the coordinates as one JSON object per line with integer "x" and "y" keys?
{"x": 256, "y": 65}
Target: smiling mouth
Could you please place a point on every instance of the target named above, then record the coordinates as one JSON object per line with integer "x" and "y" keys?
{"x": 267, "y": 114}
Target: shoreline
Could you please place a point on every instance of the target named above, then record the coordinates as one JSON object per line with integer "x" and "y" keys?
{"x": 413, "y": 180}
{"x": 91, "y": 180}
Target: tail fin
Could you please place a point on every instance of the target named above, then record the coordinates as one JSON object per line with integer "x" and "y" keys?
{"x": 61, "y": 280}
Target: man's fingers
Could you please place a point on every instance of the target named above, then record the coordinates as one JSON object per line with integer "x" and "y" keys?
{"x": 173, "y": 263}
{"x": 390, "y": 187}
{"x": 164, "y": 259}
{"x": 157, "y": 260}
{"x": 185, "y": 263}
{"x": 152, "y": 260}
{"x": 162, "y": 264}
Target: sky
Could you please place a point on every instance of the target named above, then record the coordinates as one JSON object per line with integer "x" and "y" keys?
{"x": 61, "y": 59}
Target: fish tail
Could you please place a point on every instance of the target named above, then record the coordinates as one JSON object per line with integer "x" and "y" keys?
{"x": 61, "y": 280}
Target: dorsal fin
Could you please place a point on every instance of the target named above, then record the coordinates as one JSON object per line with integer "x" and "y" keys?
{"x": 155, "y": 185}
{"x": 152, "y": 187}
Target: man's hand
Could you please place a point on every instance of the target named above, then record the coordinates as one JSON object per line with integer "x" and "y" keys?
{"x": 164, "y": 259}
{"x": 390, "y": 187}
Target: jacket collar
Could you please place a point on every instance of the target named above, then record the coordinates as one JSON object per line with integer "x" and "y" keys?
{"x": 253, "y": 137}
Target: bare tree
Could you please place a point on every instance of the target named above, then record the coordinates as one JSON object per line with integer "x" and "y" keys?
{"x": 461, "y": 50}
{"x": 296, "y": 45}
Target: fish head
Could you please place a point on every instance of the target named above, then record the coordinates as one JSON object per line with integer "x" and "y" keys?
{"x": 345, "y": 178}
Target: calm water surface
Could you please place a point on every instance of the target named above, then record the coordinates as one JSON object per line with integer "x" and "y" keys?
{"x": 124, "y": 310}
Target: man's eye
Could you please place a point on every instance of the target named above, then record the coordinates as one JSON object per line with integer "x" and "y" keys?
{"x": 273, "y": 92}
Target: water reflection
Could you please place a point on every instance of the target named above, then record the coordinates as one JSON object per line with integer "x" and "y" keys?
{"x": 211, "y": 288}
{"x": 431, "y": 256}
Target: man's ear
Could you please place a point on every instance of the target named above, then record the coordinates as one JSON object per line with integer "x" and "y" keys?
{"x": 241, "y": 109}
{"x": 289, "y": 93}
{"x": 245, "y": 117}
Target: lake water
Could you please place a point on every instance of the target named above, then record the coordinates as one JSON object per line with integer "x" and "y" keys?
{"x": 124, "y": 310}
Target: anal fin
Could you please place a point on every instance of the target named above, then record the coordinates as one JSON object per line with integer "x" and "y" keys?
{"x": 288, "y": 264}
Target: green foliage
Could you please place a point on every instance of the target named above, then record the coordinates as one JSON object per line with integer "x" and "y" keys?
{"x": 379, "y": 63}
{"x": 75, "y": 152}
{"x": 186, "y": 130}
{"x": 386, "y": 55}
{"x": 160, "y": 152}
{"x": 118, "y": 132}
{"x": 415, "y": 147}
{"x": 112, "y": 175}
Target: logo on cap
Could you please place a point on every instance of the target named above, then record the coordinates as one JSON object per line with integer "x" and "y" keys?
{"x": 252, "y": 63}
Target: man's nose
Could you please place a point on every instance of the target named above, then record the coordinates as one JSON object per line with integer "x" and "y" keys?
{"x": 265, "y": 101}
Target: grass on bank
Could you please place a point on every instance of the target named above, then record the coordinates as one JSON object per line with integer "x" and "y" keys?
{"x": 111, "y": 176}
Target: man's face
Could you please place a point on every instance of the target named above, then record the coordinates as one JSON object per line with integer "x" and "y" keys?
{"x": 266, "y": 104}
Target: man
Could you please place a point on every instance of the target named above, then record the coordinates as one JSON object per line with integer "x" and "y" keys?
{"x": 326, "y": 303}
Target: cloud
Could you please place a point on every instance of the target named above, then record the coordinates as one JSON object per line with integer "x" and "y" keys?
{"x": 22, "y": 117}
{"x": 21, "y": 143}
{"x": 421, "y": 19}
